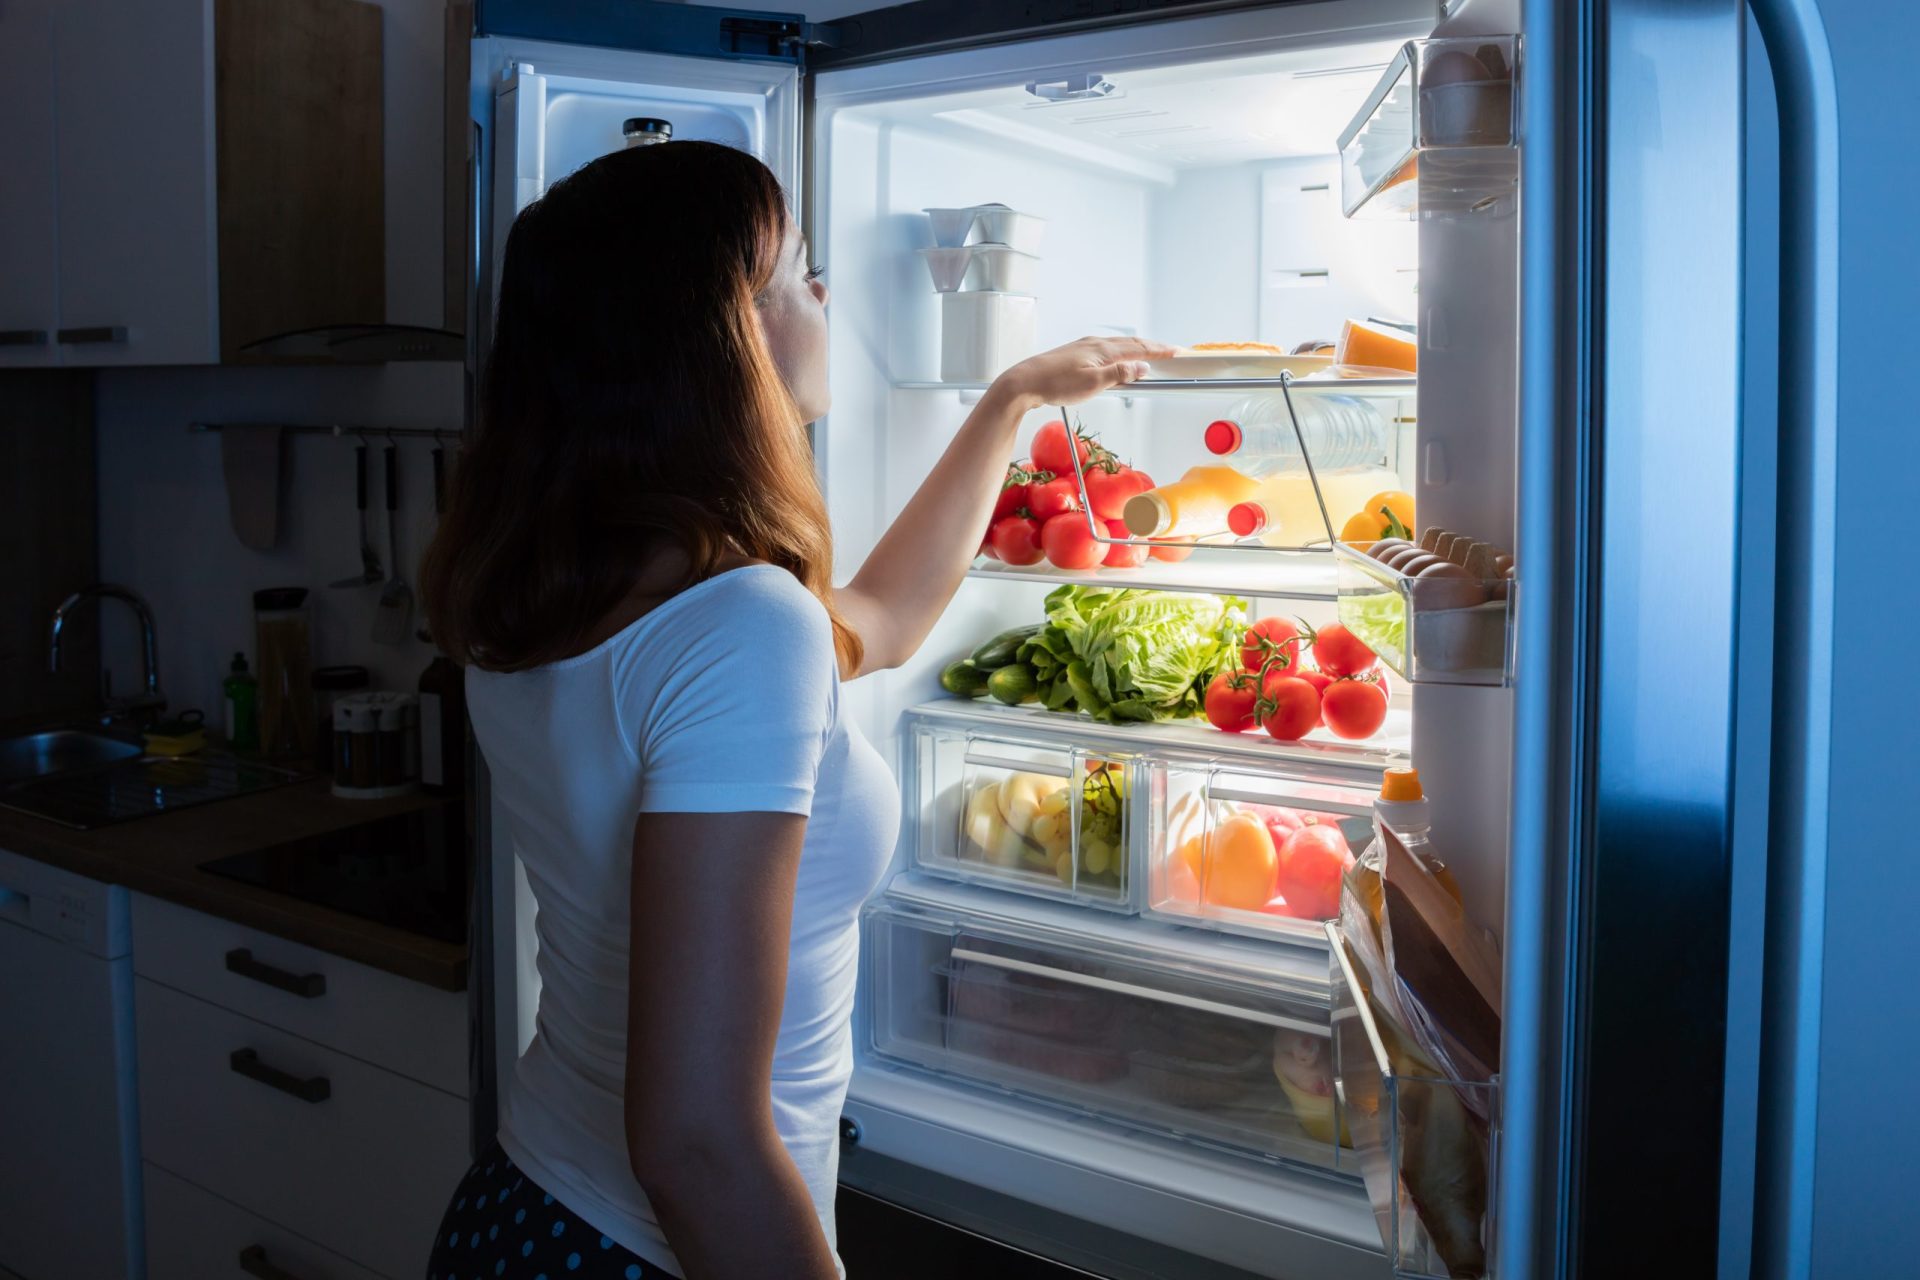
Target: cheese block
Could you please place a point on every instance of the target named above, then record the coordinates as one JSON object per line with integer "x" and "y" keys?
{"x": 1375, "y": 346}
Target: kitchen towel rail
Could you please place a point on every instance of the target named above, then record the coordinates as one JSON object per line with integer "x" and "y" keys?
{"x": 341, "y": 431}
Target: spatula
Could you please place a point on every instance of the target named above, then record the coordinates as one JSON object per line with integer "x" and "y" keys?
{"x": 394, "y": 617}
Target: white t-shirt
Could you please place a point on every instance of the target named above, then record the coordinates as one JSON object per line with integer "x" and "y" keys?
{"x": 724, "y": 699}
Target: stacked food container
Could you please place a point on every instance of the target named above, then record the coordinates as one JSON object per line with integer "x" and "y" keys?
{"x": 983, "y": 262}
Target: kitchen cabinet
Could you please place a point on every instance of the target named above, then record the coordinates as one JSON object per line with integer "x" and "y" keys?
{"x": 199, "y": 175}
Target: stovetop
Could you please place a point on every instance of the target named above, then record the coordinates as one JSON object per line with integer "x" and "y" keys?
{"x": 408, "y": 871}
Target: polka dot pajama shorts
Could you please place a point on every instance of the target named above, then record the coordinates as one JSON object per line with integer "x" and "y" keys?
{"x": 499, "y": 1225}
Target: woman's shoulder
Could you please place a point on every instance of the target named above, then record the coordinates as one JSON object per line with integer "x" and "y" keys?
{"x": 756, "y": 594}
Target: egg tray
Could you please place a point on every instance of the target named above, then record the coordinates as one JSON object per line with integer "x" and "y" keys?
{"x": 1428, "y": 630}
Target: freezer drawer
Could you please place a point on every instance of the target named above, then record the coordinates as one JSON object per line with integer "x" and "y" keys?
{"x": 1134, "y": 1035}
{"x": 1000, "y": 809}
{"x": 1256, "y": 852}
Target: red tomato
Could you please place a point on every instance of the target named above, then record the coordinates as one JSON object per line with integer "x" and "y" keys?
{"x": 1341, "y": 653}
{"x": 1053, "y": 448}
{"x": 1282, "y": 822}
{"x": 1289, "y": 708}
{"x": 1123, "y": 555}
{"x": 1069, "y": 543}
{"x": 1229, "y": 702}
{"x": 1272, "y": 638}
{"x": 1172, "y": 555}
{"x": 986, "y": 546}
{"x": 1013, "y": 491}
{"x": 1311, "y": 864}
{"x": 1108, "y": 491}
{"x": 1055, "y": 497}
{"x": 1017, "y": 540}
{"x": 1277, "y": 906}
{"x": 1354, "y": 708}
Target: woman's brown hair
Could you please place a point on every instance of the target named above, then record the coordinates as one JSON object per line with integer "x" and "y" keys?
{"x": 630, "y": 404}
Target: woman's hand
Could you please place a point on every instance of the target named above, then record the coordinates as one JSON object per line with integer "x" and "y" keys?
{"x": 1078, "y": 371}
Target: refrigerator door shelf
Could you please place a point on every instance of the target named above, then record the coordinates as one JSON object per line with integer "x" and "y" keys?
{"x": 1413, "y": 1132}
{"x": 1001, "y": 810}
{"x": 1122, "y": 1036}
{"x": 1430, "y": 630}
{"x": 1217, "y": 838}
{"x": 1437, "y": 134}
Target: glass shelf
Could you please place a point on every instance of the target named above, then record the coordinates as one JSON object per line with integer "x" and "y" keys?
{"x": 1298, "y": 576}
{"x": 1383, "y": 388}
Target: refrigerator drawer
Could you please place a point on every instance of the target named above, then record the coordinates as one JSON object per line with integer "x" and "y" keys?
{"x": 999, "y": 809}
{"x": 1253, "y": 852}
{"x": 1129, "y": 1036}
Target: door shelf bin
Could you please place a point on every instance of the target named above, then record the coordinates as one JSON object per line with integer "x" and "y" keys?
{"x": 1124, "y": 1034}
{"x": 1437, "y": 134}
{"x": 1413, "y": 1132}
{"x": 1218, "y": 837}
{"x": 997, "y": 809}
{"x": 1421, "y": 628}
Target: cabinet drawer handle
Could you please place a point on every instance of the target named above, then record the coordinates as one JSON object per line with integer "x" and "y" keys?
{"x": 312, "y": 1089}
{"x": 23, "y": 337}
{"x": 96, "y": 333}
{"x": 253, "y": 1261}
{"x": 240, "y": 960}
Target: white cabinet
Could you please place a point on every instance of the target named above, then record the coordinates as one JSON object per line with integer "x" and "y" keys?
{"x": 195, "y": 1235}
{"x": 29, "y": 292}
{"x": 184, "y": 177}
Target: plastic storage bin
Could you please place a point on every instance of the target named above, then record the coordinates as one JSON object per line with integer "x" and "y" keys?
{"x": 1413, "y": 1133}
{"x": 1173, "y": 1041}
{"x": 1218, "y": 836}
{"x": 1432, "y": 631}
{"x": 1437, "y": 132}
{"x": 999, "y": 809}
{"x": 981, "y": 334}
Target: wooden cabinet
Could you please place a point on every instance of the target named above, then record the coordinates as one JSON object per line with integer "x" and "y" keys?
{"x": 200, "y": 174}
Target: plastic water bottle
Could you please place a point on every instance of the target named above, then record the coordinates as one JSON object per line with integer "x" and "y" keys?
{"x": 1257, "y": 436}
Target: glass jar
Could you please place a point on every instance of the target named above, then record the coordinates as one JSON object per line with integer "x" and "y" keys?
{"x": 282, "y": 633}
{"x": 376, "y": 745}
{"x": 329, "y": 685}
{"x": 645, "y": 131}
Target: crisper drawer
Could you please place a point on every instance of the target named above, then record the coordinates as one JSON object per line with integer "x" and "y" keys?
{"x": 1257, "y": 852}
{"x": 342, "y": 1152}
{"x": 381, "y": 1017}
{"x": 193, "y": 1234}
{"x": 1024, "y": 811}
{"x": 1149, "y": 1040}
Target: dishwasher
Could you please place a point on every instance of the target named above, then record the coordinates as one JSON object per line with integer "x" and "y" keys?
{"x": 70, "y": 1187}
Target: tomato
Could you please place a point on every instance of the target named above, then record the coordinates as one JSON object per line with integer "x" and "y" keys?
{"x": 1282, "y": 823}
{"x": 1049, "y": 498}
{"x": 1277, "y": 906}
{"x": 1229, "y": 701}
{"x": 1054, "y": 447}
{"x": 1354, "y": 708}
{"x": 1172, "y": 555}
{"x": 1013, "y": 491}
{"x": 1069, "y": 543}
{"x": 1318, "y": 679}
{"x": 986, "y": 546}
{"x": 1311, "y": 864}
{"x": 1270, "y": 638}
{"x": 1017, "y": 540}
{"x": 1123, "y": 555}
{"x": 1108, "y": 491}
{"x": 1341, "y": 653}
{"x": 1289, "y": 708}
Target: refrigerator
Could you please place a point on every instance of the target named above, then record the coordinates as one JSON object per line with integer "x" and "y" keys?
{"x": 1614, "y": 246}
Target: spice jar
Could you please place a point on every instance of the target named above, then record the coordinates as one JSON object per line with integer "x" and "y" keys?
{"x": 329, "y": 685}
{"x": 283, "y": 646}
{"x": 376, "y": 745}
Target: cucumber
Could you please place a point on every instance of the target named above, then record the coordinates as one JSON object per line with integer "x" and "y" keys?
{"x": 1014, "y": 684}
{"x": 1002, "y": 649}
{"x": 964, "y": 679}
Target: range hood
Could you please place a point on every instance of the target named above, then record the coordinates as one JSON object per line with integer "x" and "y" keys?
{"x": 359, "y": 344}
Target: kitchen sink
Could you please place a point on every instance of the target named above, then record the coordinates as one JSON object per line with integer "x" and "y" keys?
{"x": 39, "y": 755}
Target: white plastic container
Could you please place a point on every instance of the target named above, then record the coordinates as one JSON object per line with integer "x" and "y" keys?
{"x": 999, "y": 268}
{"x": 948, "y": 267}
{"x": 983, "y": 333}
{"x": 997, "y": 224}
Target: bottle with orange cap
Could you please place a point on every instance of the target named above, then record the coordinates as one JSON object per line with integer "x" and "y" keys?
{"x": 1403, "y": 809}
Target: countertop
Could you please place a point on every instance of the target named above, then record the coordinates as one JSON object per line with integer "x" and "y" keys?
{"x": 161, "y": 856}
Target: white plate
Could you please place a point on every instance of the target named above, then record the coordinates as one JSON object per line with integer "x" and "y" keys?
{"x": 1234, "y": 365}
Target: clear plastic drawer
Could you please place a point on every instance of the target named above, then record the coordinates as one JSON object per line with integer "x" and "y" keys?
{"x": 1034, "y": 814}
{"x": 1258, "y": 853}
{"x": 1154, "y": 1043}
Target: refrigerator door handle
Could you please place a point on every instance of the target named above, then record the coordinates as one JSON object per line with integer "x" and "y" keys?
{"x": 1098, "y": 983}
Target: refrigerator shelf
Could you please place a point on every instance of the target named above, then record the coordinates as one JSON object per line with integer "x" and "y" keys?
{"x": 1437, "y": 134}
{"x": 1418, "y": 625}
{"x": 1398, "y": 388}
{"x": 1404, "y": 1122}
{"x": 1158, "y": 1041}
{"x": 1303, "y": 575}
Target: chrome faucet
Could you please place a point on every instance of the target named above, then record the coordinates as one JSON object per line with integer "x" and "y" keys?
{"x": 149, "y": 702}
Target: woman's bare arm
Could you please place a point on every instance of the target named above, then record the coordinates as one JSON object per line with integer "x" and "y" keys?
{"x": 893, "y": 601}
{"x": 712, "y": 908}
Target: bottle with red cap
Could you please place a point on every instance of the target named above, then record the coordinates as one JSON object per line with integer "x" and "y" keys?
{"x": 1256, "y": 436}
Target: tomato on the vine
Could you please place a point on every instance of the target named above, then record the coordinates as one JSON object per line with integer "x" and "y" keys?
{"x": 1273, "y": 638}
{"x": 1054, "y": 448}
{"x": 1013, "y": 490}
{"x": 1069, "y": 543}
{"x": 1017, "y": 539}
{"x": 1354, "y": 708}
{"x": 1123, "y": 555}
{"x": 1230, "y": 699}
{"x": 1289, "y": 708}
{"x": 1341, "y": 653}
{"x": 1172, "y": 554}
{"x": 1108, "y": 490}
{"x": 1053, "y": 497}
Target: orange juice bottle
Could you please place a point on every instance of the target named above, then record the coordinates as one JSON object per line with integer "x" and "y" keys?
{"x": 1282, "y": 512}
{"x": 1195, "y": 505}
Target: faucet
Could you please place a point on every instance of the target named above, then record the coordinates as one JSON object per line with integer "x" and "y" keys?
{"x": 149, "y": 702}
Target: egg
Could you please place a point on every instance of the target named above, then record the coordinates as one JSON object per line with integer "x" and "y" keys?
{"x": 1451, "y": 67}
{"x": 1380, "y": 549}
{"x": 1412, "y": 565}
{"x": 1445, "y": 585}
{"x": 1398, "y": 558}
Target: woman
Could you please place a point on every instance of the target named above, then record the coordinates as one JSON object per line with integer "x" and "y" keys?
{"x": 635, "y": 567}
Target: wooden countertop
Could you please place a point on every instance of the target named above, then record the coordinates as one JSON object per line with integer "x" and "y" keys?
{"x": 161, "y": 856}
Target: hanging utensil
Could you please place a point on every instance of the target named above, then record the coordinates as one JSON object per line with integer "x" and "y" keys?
{"x": 395, "y": 614}
{"x": 370, "y": 570}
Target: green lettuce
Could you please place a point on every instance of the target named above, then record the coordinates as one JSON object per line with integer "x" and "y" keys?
{"x": 1127, "y": 654}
